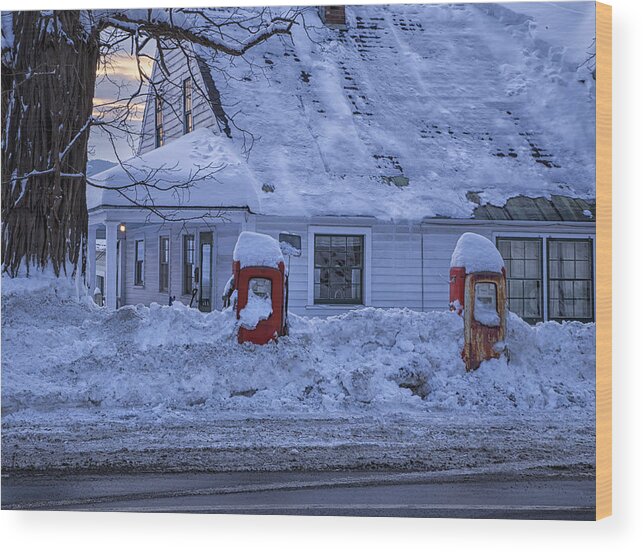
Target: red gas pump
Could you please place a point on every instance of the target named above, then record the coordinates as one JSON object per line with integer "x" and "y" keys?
{"x": 260, "y": 280}
{"x": 478, "y": 293}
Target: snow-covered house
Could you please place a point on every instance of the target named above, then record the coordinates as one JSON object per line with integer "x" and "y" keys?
{"x": 378, "y": 137}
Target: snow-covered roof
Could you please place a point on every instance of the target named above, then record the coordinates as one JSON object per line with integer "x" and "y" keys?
{"x": 410, "y": 113}
{"x": 254, "y": 249}
{"x": 476, "y": 254}
{"x": 208, "y": 164}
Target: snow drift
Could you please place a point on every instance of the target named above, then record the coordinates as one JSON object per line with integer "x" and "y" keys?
{"x": 58, "y": 352}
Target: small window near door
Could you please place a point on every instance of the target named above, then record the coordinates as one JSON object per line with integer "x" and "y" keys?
{"x": 139, "y": 263}
{"x": 188, "y": 263}
{"x": 164, "y": 263}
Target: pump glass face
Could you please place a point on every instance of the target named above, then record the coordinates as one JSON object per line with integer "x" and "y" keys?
{"x": 485, "y": 310}
{"x": 261, "y": 287}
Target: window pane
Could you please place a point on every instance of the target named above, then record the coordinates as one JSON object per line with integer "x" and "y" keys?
{"x": 322, "y": 258}
{"x": 567, "y": 250}
{"x": 515, "y": 289}
{"x": 532, "y": 308}
{"x": 322, "y": 242}
{"x": 338, "y": 257}
{"x": 517, "y": 249}
{"x": 532, "y": 250}
{"x": 567, "y": 269}
{"x": 532, "y": 269}
{"x": 583, "y": 270}
{"x": 338, "y": 243}
{"x": 518, "y": 269}
{"x": 582, "y": 251}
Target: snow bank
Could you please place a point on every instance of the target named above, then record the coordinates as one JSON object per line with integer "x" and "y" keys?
{"x": 58, "y": 353}
{"x": 476, "y": 254}
{"x": 253, "y": 249}
{"x": 44, "y": 280}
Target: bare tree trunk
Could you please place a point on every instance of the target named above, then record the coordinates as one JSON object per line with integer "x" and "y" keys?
{"x": 47, "y": 94}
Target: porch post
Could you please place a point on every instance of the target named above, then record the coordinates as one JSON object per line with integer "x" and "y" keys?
{"x": 111, "y": 234}
{"x": 91, "y": 259}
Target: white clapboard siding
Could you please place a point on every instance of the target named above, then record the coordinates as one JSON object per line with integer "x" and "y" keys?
{"x": 202, "y": 114}
{"x": 409, "y": 263}
{"x": 224, "y": 238}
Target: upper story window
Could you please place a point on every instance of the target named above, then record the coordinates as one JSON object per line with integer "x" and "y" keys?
{"x": 158, "y": 120}
{"x": 139, "y": 263}
{"x": 339, "y": 268}
{"x": 187, "y": 106}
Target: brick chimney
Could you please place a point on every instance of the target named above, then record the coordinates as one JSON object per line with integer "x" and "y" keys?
{"x": 333, "y": 16}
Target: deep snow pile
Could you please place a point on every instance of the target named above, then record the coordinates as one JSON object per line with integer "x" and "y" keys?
{"x": 58, "y": 352}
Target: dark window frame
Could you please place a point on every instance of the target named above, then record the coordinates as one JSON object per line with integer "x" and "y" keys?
{"x": 139, "y": 264}
{"x": 158, "y": 121}
{"x": 188, "y": 267}
{"x": 539, "y": 241}
{"x": 164, "y": 264}
{"x": 188, "y": 120}
{"x": 590, "y": 261}
{"x": 342, "y": 301}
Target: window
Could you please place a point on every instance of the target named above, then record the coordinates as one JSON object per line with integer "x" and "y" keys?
{"x": 570, "y": 285}
{"x": 338, "y": 269}
{"x": 188, "y": 264}
{"x": 187, "y": 105}
{"x": 523, "y": 264}
{"x": 164, "y": 263}
{"x": 158, "y": 120}
{"x": 139, "y": 262}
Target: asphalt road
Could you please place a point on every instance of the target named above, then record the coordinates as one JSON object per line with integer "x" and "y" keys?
{"x": 347, "y": 493}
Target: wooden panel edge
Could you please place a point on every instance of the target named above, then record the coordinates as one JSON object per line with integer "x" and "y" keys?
{"x": 603, "y": 260}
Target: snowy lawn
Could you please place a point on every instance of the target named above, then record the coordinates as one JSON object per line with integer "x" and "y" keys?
{"x": 169, "y": 388}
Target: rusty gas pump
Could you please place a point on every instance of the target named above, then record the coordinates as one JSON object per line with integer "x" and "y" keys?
{"x": 478, "y": 294}
{"x": 259, "y": 285}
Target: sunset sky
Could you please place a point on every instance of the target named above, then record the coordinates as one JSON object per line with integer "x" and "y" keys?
{"x": 122, "y": 72}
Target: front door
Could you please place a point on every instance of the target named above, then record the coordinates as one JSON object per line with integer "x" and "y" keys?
{"x": 205, "y": 285}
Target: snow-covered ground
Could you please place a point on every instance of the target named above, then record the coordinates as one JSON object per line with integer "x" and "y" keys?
{"x": 170, "y": 388}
